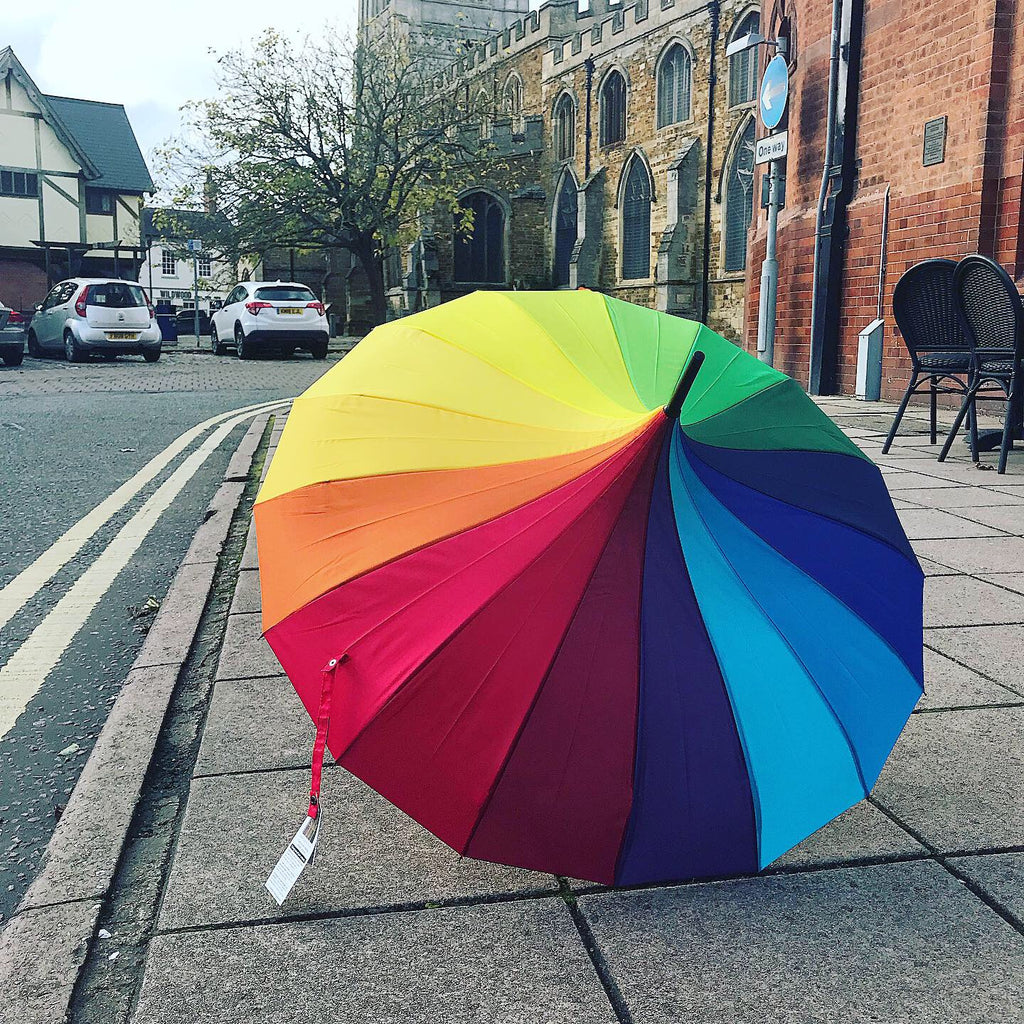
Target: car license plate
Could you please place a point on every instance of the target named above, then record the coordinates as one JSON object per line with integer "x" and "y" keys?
{"x": 290, "y": 309}
{"x": 122, "y": 335}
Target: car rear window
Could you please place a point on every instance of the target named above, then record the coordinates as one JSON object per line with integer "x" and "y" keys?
{"x": 280, "y": 293}
{"x": 116, "y": 295}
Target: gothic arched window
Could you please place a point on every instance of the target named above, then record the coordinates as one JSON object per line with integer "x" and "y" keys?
{"x": 565, "y": 229}
{"x": 513, "y": 101}
{"x": 613, "y": 109}
{"x": 743, "y": 65}
{"x": 565, "y": 128}
{"x": 636, "y": 222}
{"x": 674, "y": 86}
{"x": 739, "y": 195}
{"x": 480, "y": 249}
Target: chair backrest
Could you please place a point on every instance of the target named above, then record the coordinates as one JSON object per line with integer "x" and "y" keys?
{"x": 990, "y": 307}
{"x": 925, "y": 308}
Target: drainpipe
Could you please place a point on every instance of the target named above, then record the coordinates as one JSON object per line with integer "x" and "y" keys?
{"x": 823, "y": 220}
{"x": 589, "y": 65}
{"x": 836, "y": 187}
{"x": 714, "y": 10}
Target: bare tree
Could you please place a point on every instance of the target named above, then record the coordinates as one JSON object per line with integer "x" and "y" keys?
{"x": 322, "y": 144}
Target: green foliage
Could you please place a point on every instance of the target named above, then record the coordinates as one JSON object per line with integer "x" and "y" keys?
{"x": 322, "y": 144}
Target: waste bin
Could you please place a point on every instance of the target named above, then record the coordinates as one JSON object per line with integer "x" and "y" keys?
{"x": 165, "y": 321}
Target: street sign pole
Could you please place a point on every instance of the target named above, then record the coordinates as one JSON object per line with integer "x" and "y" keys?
{"x": 774, "y": 93}
{"x": 769, "y": 271}
{"x": 195, "y": 296}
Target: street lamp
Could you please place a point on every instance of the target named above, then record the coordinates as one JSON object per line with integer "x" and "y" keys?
{"x": 771, "y": 115}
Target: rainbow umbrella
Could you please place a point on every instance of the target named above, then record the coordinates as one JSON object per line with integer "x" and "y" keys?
{"x": 595, "y": 592}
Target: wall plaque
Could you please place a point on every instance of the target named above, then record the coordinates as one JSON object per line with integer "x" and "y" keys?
{"x": 935, "y": 141}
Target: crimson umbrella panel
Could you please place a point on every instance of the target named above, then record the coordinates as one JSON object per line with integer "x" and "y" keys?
{"x": 589, "y": 631}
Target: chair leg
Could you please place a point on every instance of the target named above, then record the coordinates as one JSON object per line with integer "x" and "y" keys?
{"x": 933, "y": 419}
{"x": 899, "y": 414}
{"x": 972, "y": 423}
{"x": 1008, "y": 424}
{"x": 965, "y": 406}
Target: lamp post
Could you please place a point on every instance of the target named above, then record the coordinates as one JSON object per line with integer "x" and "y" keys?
{"x": 772, "y": 99}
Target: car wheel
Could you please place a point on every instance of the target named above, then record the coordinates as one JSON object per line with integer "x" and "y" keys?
{"x": 215, "y": 346}
{"x": 33, "y": 346}
{"x": 72, "y": 353}
{"x": 319, "y": 350}
{"x": 13, "y": 358}
{"x": 151, "y": 355}
{"x": 242, "y": 346}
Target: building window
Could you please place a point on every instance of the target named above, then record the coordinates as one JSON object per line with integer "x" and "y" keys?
{"x": 483, "y": 106}
{"x": 743, "y": 65}
{"x": 205, "y": 267}
{"x": 613, "y": 109}
{"x": 674, "y": 87}
{"x": 739, "y": 204}
{"x": 565, "y": 128}
{"x": 167, "y": 263}
{"x": 100, "y": 201}
{"x": 480, "y": 249}
{"x": 19, "y": 183}
{"x": 636, "y": 222}
{"x": 513, "y": 101}
{"x": 565, "y": 229}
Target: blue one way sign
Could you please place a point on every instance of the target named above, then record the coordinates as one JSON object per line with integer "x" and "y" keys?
{"x": 774, "y": 92}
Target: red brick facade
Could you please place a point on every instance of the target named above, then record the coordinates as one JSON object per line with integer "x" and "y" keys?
{"x": 919, "y": 60}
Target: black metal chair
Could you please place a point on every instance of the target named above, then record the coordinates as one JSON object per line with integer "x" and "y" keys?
{"x": 925, "y": 309}
{"x": 992, "y": 316}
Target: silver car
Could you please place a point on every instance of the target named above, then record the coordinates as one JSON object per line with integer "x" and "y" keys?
{"x": 12, "y": 336}
{"x": 95, "y": 315}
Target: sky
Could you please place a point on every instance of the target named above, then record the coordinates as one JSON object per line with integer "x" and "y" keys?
{"x": 151, "y": 57}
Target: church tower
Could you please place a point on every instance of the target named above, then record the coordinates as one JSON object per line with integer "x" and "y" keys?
{"x": 439, "y": 29}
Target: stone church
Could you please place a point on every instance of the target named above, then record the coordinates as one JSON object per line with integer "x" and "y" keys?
{"x": 620, "y": 150}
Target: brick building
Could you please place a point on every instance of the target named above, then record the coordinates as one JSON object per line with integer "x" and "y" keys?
{"x": 904, "y": 69}
{"x": 619, "y": 144}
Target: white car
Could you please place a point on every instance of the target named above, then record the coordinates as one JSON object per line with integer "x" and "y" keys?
{"x": 86, "y": 315}
{"x": 260, "y": 315}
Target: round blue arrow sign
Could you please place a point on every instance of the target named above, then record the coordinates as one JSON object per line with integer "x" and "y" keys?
{"x": 774, "y": 92}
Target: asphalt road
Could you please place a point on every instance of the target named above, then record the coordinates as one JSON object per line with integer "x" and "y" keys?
{"x": 70, "y": 436}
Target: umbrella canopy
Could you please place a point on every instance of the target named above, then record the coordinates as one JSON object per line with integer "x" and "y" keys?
{"x": 589, "y": 631}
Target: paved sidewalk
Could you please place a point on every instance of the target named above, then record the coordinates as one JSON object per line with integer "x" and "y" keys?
{"x": 908, "y": 908}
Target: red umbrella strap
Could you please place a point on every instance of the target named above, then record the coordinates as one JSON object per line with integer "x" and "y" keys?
{"x": 323, "y": 721}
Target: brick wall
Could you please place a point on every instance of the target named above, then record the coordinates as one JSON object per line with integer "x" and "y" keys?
{"x": 921, "y": 59}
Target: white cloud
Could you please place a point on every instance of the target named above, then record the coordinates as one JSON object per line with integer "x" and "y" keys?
{"x": 152, "y": 58}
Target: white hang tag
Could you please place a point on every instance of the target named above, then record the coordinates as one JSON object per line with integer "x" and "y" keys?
{"x": 300, "y": 852}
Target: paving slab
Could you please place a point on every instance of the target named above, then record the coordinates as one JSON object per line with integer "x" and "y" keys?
{"x": 247, "y": 592}
{"x": 931, "y": 568}
{"x": 950, "y": 685}
{"x": 994, "y": 651}
{"x": 245, "y": 654}
{"x": 515, "y": 963}
{"x": 255, "y": 725}
{"x": 933, "y": 523}
{"x": 976, "y": 554}
{"x": 862, "y": 833}
{"x": 902, "y": 479}
{"x": 895, "y": 943}
{"x": 1008, "y": 518}
{"x": 957, "y": 778}
{"x": 41, "y": 952}
{"x": 249, "y": 559}
{"x": 958, "y": 497}
{"x": 965, "y": 601}
{"x": 1010, "y": 580}
{"x": 1000, "y": 875}
{"x": 209, "y": 539}
{"x": 171, "y": 634}
{"x": 370, "y": 855}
